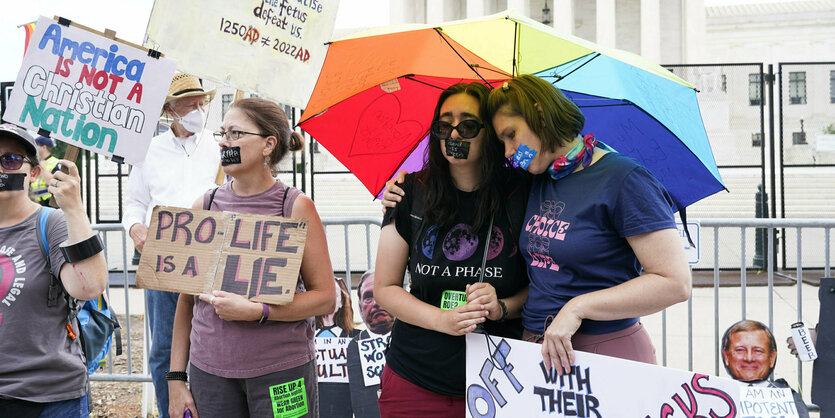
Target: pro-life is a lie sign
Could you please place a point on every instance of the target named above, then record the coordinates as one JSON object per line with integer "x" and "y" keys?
{"x": 196, "y": 251}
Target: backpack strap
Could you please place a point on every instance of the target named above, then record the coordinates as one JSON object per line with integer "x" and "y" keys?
{"x": 55, "y": 286}
{"x": 211, "y": 198}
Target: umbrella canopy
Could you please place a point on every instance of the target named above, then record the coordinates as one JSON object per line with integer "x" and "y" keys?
{"x": 374, "y": 99}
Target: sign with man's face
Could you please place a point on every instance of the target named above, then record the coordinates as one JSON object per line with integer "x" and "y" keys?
{"x": 376, "y": 319}
{"x": 749, "y": 355}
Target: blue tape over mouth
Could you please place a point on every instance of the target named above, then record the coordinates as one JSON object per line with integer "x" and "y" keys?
{"x": 523, "y": 157}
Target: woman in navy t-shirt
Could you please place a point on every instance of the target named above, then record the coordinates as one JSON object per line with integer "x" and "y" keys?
{"x": 599, "y": 238}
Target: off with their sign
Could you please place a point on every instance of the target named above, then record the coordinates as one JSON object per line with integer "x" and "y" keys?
{"x": 197, "y": 251}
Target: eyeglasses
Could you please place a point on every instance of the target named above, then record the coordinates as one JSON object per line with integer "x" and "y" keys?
{"x": 466, "y": 128}
{"x": 13, "y": 161}
{"x": 233, "y": 135}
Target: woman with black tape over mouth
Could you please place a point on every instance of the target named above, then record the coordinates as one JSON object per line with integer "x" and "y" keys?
{"x": 242, "y": 353}
{"x": 47, "y": 257}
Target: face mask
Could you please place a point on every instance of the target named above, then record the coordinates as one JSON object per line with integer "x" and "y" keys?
{"x": 193, "y": 121}
{"x": 10, "y": 182}
{"x": 523, "y": 157}
{"x": 230, "y": 155}
{"x": 459, "y": 150}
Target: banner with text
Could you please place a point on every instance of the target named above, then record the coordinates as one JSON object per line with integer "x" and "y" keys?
{"x": 373, "y": 357}
{"x": 196, "y": 251}
{"x": 763, "y": 402}
{"x": 273, "y": 47}
{"x": 93, "y": 92}
{"x": 510, "y": 380}
{"x": 332, "y": 359}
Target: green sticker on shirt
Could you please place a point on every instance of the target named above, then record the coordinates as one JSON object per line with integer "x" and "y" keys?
{"x": 452, "y": 299}
{"x": 289, "y": 399}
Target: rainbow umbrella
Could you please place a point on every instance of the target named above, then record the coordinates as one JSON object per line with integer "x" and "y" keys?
{"x": 374, "y": 98}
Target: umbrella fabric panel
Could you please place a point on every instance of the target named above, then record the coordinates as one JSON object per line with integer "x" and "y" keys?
{"x": 372, "y": 132}
{"x": 631, "y": 131}
{"x": 671, "y": 104}
{"x": 354, "y": 65}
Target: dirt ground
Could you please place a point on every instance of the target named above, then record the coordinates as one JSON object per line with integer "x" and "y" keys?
{"x": 121, "y": 399}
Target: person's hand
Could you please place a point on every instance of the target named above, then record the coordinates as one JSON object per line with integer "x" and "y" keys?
{"x": 813, "y": 335}
{"x": 485, "y": 294}
{"x": 138, "y": 233}
{"x": 180, "y": 399}
{"x": 232, "y": 307}
{"x": 461, "y": 320}
{"x": 393, "y": 193}
{"x": 557, "y": 351}
{"x": 66, "y": 187}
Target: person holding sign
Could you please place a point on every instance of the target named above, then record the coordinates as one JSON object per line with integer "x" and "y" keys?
{"x": 181, "y": 164}
{"x": 248, "y": 358}
{"x": 462, "y": 256}
{"x": 43, "y": 371}
{"x": 749, "y": 352}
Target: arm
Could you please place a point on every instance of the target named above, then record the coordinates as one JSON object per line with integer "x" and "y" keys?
{"x": 87, "y": 278}
{"x": 392, "y": 256}
{"x": 179, "y": 395}
{"x": 665, "y": 281}
{"x": 317, "y": 274}
{"x": 137, "y": 204}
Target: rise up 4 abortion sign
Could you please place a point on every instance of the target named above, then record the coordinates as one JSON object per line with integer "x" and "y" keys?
{"x": 196, "y": 251}
{"x": 90, "y": 91}
{"x": 510, "y": 380}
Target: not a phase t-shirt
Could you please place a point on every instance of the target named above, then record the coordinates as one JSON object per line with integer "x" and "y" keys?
{"x": 449, "y": 259}
{"x": 574, "y": 236}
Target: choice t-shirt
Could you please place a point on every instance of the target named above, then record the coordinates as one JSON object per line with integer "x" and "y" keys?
{"x": 38, "y": 362}
{"x": 574, "y": 236}
{"x": 449, "y": 259}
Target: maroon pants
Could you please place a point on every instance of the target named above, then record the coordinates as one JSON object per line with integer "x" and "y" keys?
{"x": 631, "y": 343}
{"x": 402, "y": 398}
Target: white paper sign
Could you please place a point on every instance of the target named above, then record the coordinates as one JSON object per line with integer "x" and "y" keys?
{"x": 511, "y": 381}
{"x": 373, "y": 358}
{"x": 332, "y": 359}
{"x": 90, "y": 91}
{"x": 760, "y": 402}
{"x": 692, "y": 251}
{"x": 273, "y": 47}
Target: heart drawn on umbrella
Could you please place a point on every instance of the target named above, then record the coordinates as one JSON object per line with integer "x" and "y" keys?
{"x": 380, "y": 130}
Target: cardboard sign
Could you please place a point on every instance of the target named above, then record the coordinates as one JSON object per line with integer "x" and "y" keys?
{"x": 332, "y": 359}
{"x": 760, "y": 402}
{"x": 96, "y": 93}
{"x": 373, "y": 357}
{"x": 234, "y": 42}
{"x": 510, "y": 380}
{"x": 196, "y": 251}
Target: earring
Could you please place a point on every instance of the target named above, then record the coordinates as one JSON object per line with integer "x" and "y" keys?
{"x": 266, "y": 162}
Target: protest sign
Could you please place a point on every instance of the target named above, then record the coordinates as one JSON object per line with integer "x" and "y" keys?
{"x": 273, "y": 47}
{"x": 373, "y": 357}
{"x": 332, "y": 359}
{"x": 97, "y": 93}
{"x": 196, "y": 251}
{"x": 510, "y": 380}
{"x": 763, "y": 402}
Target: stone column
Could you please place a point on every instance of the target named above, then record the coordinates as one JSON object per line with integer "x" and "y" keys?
{"x": 606, "y": 23}
{"x": 651, "y": 30}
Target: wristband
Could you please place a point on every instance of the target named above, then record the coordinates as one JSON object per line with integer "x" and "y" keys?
{"x": 82, "y": 250}
{"x": 265, "y": 313}
{"x": 504, "y": 311}
{"x": 169, "y": 375}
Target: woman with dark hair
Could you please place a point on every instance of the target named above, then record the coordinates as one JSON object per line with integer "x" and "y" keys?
{"x": 341, "y": 322}
{"x": 43, "y": 372}
{"x": 242, "y": 352}
{"x": 599, "y": 236}
{"x": 464, "y": 266}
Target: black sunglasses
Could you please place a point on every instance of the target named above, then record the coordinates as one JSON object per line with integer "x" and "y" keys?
{"x": 466, "y": 128}
{"x": 13, "y": 161}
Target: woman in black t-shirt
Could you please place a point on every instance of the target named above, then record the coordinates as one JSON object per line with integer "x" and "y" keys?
{"x": 457, "y": 215}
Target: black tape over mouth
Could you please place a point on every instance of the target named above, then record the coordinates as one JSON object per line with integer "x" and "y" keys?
{"x": 457, "y": 149}
{"x": 11, "y": 182}
{"x": 230, "y": 155}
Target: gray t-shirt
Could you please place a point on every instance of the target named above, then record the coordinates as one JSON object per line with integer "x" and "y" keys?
{"x": 38, "y": 362}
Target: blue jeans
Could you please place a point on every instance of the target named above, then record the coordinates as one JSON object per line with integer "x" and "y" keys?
{"x": 64, "y": 409}
{"x": 159, "y": 308}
